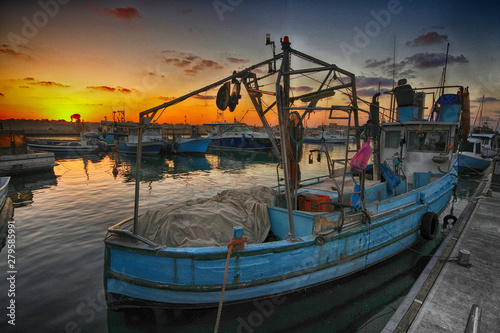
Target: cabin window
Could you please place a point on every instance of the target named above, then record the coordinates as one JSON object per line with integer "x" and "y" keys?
{"x": 468, "y": 147}
{"x": 427, "y": 141}
{"x": 392, "y": 139}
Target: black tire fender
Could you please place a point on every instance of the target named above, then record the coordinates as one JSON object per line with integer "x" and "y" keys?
{"x": 449, "y": 220}
{"x": 429, "y": 225}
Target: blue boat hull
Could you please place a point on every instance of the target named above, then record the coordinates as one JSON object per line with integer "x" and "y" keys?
{"x": 242, "y": 143}
{"x": 198, "y": 146}
{"x": 466, "y": 163}
{"x": 192, "y": 277}
{"x": 150, "y": 148}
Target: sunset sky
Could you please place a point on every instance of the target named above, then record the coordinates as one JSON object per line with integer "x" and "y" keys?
{"x": 61, "y": 57}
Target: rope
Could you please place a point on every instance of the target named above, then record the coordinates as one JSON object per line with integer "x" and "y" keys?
{"x": 237, "y": 244}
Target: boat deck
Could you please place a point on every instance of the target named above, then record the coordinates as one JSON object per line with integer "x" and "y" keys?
{"x": 442, "y": 298}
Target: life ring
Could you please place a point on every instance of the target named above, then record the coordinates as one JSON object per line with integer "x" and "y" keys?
{"x": 429, "y": 225}
{"x": 447, "y": 218}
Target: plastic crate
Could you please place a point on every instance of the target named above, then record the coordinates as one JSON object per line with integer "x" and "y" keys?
{"x": 306, "y": 203}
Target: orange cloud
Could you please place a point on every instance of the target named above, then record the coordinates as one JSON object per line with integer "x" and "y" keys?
{"x": 110, "y": 89}
{"x": 236, "y": 60}
{"x": 203, "y": 97}
{"x": 6, "y": 49}
{"x": 49, "y": 84}
{"x": 166, "y": 99}
{"x": 103, "y": 88}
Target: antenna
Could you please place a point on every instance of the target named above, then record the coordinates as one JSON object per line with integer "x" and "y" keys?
{"x": 269, "y": 42}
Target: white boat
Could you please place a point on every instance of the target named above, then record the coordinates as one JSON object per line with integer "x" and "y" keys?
{"x": 325, "y": 136}
{"x": 17, "y": 158}
{"x": 237, "y": 135}
{"x": 152, "y": 142}
{"x": 88, "y": 144}
{"x": 470, "y": 157}
{"x": 489, "y": 143}
{"x": 193, "y": 254}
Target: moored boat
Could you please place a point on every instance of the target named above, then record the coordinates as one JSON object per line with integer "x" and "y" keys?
{"x": 88, "y": 144}
{"x": 325, "y": 136}
{"x": 470, "y": 158}
{"x": 181, "y": 145}
{"x": 17, "y": 158}
{"x": 151, "y": 143}
{"x": 237, "y": 135}
{"x": 304, "y": 232}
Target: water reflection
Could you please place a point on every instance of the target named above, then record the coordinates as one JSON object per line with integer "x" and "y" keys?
{"x": 365, "y": 300}
{"x": 237, "y": 159}
{"x": 21, "y": 187}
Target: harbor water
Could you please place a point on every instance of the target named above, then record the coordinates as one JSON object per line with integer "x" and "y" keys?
{"x": 61, "y": 219}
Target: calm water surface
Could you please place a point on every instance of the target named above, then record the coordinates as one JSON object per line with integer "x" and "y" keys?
{"x": 61, "y": 219}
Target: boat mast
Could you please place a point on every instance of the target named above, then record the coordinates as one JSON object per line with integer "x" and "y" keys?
{"x": 282, "y": 102}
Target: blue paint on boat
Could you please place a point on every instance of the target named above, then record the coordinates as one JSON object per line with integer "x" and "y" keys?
{"x": 312, "y": 232}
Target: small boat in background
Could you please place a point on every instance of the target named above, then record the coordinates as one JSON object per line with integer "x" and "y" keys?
{"x": 182, "y": 145}
{"x": 326, "y": 136}
{"x": 16, "y": 157}
{"x": 489, "y": 143}
{"x": 152, "y": 142}
{"x": 88, "y": 144}
{"x": 469, "y": 157}
{"x": 237, "y": 135}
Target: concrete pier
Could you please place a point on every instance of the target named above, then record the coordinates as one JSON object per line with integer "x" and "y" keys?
{"x": 464, "y": 273}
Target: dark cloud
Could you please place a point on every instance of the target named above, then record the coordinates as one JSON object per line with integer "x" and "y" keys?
{"x": 364, "y": 82}
{"x": 6, "y": 49}
{"x": 23, "y": 87}
{"x": 372, "y": 63}
{"x": 2, "y": 95}
{"x": 236, "y": 60}
{"x": 29, "y": 79}
{"x": 302, "y": 89}
{"x": 429, "y": 38}
{"x": 204, "y": 97}
{"x": 183, "y": 11}
{"x": 110, "y": 89}
{"x": 432, "y": 60}
{"x": 121, "y": 13}
{"x": 486, "y": 100}
{"x": 369, "y": 92}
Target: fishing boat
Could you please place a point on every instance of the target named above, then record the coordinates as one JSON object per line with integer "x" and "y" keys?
{"x": 237, "y": 135}
{"x": 247, "y": 244}
{"x": 17, "y": 158}
{"x": 489, "y": 143}
{"x": 151, "y": 144}
{"x": 326, "y": 136}
{"x": 470, "y": 158}
{"x": 182, "y": 145}
{"x": 88, "y": 144}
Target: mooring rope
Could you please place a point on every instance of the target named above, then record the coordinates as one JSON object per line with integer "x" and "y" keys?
{"x": 234, "y": 242}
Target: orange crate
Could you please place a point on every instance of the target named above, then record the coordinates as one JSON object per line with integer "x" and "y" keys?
{"x": 306, "y": 203}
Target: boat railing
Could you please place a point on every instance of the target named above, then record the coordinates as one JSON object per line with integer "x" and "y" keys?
{"x": 119, "y": 229}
